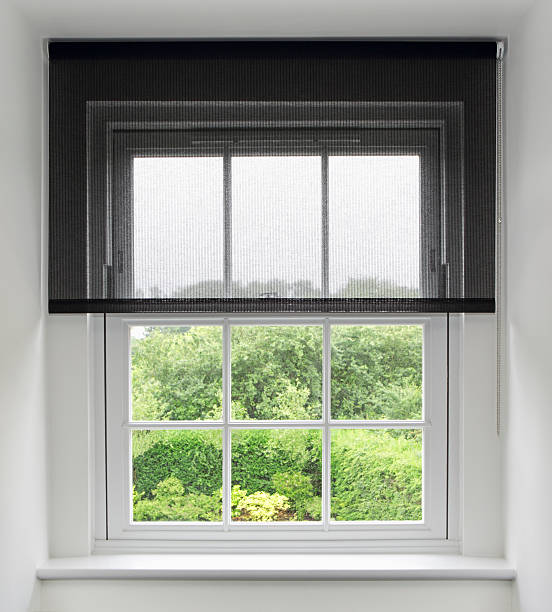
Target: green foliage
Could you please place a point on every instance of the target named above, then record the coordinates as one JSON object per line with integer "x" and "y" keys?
{"x": 177, "y": 374}
{"x": 313, "y": 509}
{"x": 376, "y": 475}
{"x": 276, "y": 374}
{"x": 259, "y": 506}
{"x": 298, "y": 488}
{"x": 237, "y": 495}
{"x": 170, "y": 503}
{"x": 193, "y": 457}
{"x": 257, "y": 455}
{"x": 376, "y": 372}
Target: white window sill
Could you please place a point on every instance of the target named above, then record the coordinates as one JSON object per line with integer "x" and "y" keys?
{"x": 276, "y": 567}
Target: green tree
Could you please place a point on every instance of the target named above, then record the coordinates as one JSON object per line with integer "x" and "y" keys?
{"x": 177, "y": 374}
{"x": 377, "y": 372}
{"x": 277, "y": 374}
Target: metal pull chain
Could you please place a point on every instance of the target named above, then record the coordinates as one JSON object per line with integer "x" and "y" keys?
{"x": 500, "y": 49}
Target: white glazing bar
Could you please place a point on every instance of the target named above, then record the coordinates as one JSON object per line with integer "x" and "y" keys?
{"x": 278, "y": 424}
{"x": 325, "y": 229}
{"x": 226, "y": 441}
{"x": 383, "y": 424}
{"x": 326, "y": 415}
{"x": 174, "y": 425}
{"x": 227, "y": 170}
{"x": 268, "y": 318}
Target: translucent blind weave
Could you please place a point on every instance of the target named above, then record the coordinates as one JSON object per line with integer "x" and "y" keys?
{"x": 284, "y": 176}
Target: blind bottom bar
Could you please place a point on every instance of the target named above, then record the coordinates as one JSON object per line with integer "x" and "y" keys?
{"x": 276, "y": 305}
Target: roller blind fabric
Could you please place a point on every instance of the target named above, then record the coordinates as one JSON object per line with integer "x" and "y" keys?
{"x": 272, "y": 176}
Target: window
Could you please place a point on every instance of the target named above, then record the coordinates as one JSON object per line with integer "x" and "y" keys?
{"x": 326, "y": 427}
{"x": 276, "y": 234}
{"x": 346, "y": 217}
{"x": 264, "y": 428}
{"x": 264, "y": 213}
{"x": 284, "y": 424}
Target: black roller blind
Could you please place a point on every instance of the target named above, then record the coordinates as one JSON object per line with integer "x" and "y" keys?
{"x": 272, "y": 176}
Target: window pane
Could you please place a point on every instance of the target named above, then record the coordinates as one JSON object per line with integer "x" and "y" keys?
{"x": 277, "y": 372}
{"x": 176, "y": 373}
{"x": 276, "y": 475}
{"x": 276, "y": 226}
{"x": 376, "y": 475}
{"x": 177, "y": 475}
{"x": 178, "y": 227}
{"x": 376, "y": 371}
{"x": 374, "y": 226}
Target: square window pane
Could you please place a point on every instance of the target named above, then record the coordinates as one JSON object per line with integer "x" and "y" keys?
{"x": 177, "y": 475}
{"x": 374, "y": 225}
{"x": 178, "y": 227}
{"x": 277, "y": 372}
{"x": 376, "y": 475}
{"x": 176, "y": 373}
{"x": 376, "y": 372}
{"x": 276, "y": 475}
{"x": 276, "y": 226}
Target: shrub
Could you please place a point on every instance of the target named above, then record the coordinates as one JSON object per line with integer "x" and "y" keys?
{"x": 376, "y": 475}
{"x": 193, "y": 457}
{"x": 261, "y": 506}
{"x": 237, "y": 495}
{"x": 258, "y": 455}
{"x": 313, "y": 508}
{"x": 297, "y": 487}
{"x": 169, "y": 503}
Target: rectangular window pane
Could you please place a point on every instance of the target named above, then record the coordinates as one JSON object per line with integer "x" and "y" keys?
{"x": 374, "y": 225}
{"x": 276, "y": 475}
{"x": 177, "y": 475}
{"x": 376, "y": 372}
{"x": 178, "y": 227}
{"x": 376, "y": 475}
{"x": 276, "y": 226}
{"x": 277, "y": 372}
{"x": 176, "y": 373}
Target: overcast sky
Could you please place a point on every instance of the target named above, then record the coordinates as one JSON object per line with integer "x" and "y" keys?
{"x": 276, "y": 220}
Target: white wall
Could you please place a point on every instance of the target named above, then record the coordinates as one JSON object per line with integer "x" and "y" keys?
{"x": 68, "y": 436}
{"x": 22, "y": 392}
{"x": 69, "y": 486}
{"x": 528, "y": 450}
{"x": 237, "y": 596}
{"x": 300, "y": 18}
{"x": 481, "y": 491}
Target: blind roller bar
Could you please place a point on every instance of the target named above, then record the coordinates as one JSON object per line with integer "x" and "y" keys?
{"x": 98, "y": 50}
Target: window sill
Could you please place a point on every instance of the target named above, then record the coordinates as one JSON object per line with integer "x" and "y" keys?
{"x": 276, "y": 567}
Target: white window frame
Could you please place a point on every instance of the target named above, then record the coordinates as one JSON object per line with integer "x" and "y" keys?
{"x": 110, "y": 274}
{"x": 111, "y": 378}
